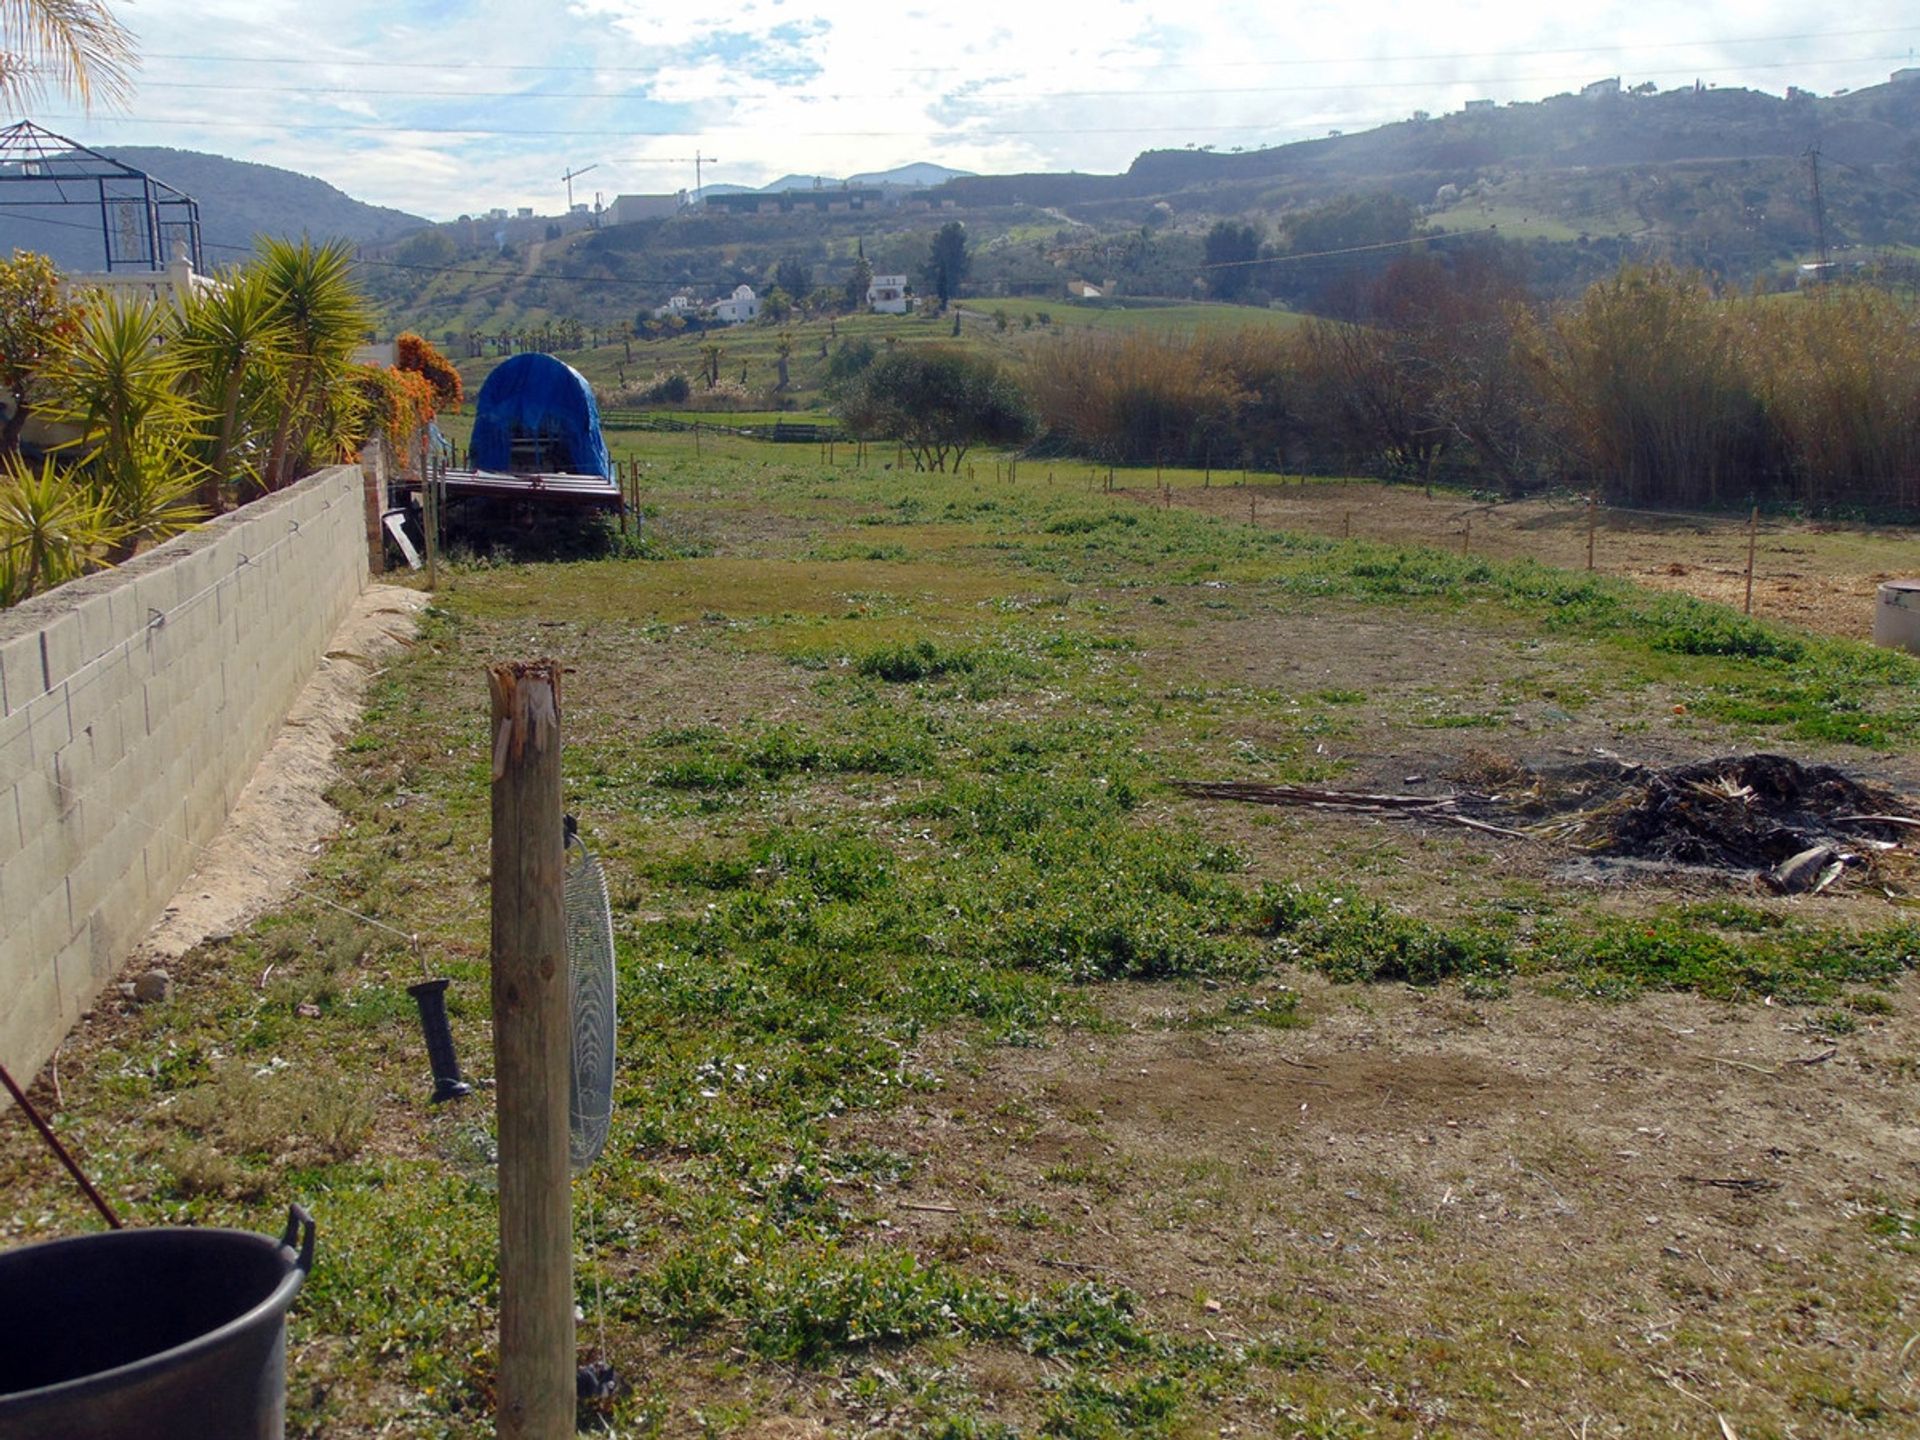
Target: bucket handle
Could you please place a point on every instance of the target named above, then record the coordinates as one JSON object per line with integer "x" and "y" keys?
{"x": 300, "y": 1228}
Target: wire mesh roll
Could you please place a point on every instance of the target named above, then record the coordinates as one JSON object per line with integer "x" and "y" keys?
{"x": 591, "y": 981}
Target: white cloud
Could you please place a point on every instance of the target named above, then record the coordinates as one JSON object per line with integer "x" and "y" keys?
{"x": 364, "y": 95}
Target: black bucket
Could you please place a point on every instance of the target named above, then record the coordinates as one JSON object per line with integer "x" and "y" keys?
{"x": 170, "y": 1333}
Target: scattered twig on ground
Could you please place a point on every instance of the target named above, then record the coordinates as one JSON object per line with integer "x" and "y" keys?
{"x": 1906, "y": 1352}
{"x": 1739, "y": 1184}
{"x": 1904, "y": 822}
{"x": 931, "y": 1209}
{"x": 1820, "y": 1059}
{"x": 1440, "y": 808}
{"x": 1780, "y": 1069}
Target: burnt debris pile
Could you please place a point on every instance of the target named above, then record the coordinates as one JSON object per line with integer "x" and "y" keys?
{"x": 1742, "y": 812}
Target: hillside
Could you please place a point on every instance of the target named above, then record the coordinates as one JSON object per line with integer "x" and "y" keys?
{"x": 238, "y": 200}
{"x": 1717, "y": 179}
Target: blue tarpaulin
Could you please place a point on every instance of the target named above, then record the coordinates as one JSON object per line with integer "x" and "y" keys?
{"x": 536, "y": 413}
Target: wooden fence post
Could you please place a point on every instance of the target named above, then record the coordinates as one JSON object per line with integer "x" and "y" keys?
{"x": 532, "y": 1046}
{"x": 429, "y": 516}
{"x": 1593, "y": 509}
{"x": 1753, "y": 537}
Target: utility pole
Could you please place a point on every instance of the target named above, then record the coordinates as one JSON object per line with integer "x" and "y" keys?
{"x": 1819, "y": 210}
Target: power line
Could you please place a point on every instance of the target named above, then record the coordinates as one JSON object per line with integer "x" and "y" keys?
{"x": 429, "y": 96}
{"x": 441, "y": 65}
{"x": 397, "y": 128}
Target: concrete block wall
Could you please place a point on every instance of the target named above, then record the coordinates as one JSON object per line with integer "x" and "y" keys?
{"x": 134, "y": 706}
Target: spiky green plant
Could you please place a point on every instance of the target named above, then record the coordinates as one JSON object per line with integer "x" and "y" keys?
{"x": 324, "y": 317}
{"x": 231, "y": 344}
{"x": 120, "y": 387}
{"x": 51, "y": 530}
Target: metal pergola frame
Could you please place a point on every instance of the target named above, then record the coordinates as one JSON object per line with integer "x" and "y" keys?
{"x": 144, "y": 222}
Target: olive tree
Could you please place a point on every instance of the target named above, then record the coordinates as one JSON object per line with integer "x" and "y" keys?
{"x": 938, "y": 402}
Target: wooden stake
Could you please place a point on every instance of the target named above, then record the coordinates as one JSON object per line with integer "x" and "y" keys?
{"x": 1466, "y": 537}
{"x": 1593, "y": 510}
{"x": 429, "y": 517}
{"x": 532, "y": 1046}
{"x": 1346, "y": 524}
{"x": 1753, "y": 538}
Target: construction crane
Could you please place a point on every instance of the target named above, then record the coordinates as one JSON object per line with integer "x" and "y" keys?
{"x": 570, "y": 176}
{"x": 697, "y": 160}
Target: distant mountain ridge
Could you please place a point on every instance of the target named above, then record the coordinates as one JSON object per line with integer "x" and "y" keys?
{"x": 238, "y": 200}
{"x": 919, "y": 175}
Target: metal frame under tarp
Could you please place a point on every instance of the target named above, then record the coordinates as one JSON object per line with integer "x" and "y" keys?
{"x": 144, "y": 223}
{"x": 595, "y": 490}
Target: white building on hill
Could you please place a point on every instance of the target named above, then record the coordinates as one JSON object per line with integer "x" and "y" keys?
{"x": 742, "y": 307}
{"x": 889, "y": 295}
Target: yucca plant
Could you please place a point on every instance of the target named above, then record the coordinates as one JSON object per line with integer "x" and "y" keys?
{"x": 51, "y": 530}
{"x": 120, "y": 387}
{"x": 324, "y": 317}
{"x": 231, "y": 345}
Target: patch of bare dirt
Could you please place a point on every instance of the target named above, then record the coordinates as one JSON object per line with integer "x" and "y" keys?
{"x": 1465, "y": 1218}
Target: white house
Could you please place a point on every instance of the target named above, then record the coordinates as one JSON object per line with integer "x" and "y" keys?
{"x": 888, "y": 295}
{"x": 681, "y": 305}
{"x": 741, "y": 308}
{"x": 172, "y": 284}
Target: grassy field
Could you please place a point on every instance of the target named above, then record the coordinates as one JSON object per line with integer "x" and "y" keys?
{"x": 977, "y": 1083}
{"x": 1169, "y": 319}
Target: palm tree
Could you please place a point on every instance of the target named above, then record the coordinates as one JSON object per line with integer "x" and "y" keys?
{"x": 74, "y": 47}
{"x": 324, "y": 317}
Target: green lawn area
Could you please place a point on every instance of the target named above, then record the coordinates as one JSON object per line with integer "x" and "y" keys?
{"x": 1170, "y": 319}
{"x": 975, "y": 1082}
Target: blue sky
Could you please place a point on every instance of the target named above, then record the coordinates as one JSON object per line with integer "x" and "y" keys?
{"x": 441, "y": 107}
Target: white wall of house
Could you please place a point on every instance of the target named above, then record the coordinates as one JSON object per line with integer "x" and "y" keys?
{"x": 889, "y": 295}
{"x": 742, "y": 307}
